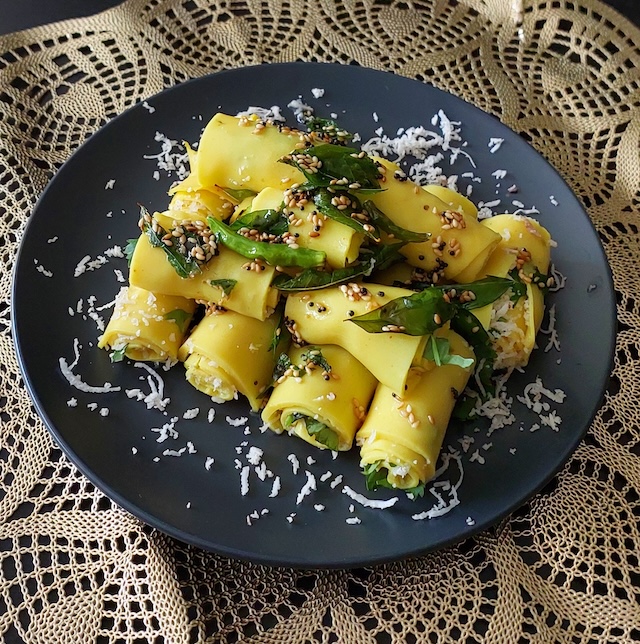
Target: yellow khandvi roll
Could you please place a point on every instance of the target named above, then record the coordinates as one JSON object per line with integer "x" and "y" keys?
{"x": 525, "y": 246}
{"x": 147, "y": 326}
{"x": 322, "y": 397}
{"x": 459, "y": 246}
{"x": 401, "y": 436}
{"x": 340, "y": 243}
{"x": 453, "y": 199}
{"x": 229, "y": 353}
{"x": 243, "y": 153}
{"x": 322, "y": 317}
{"x": 224, "y": 280}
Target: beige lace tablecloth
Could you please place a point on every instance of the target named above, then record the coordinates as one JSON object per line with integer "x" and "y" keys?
{"x": 75, "y": 568}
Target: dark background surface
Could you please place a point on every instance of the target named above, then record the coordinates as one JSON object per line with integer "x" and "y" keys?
{"x": 22, "y": 14}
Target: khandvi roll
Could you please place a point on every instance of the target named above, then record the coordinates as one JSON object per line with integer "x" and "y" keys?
{"x": 393, "y": 294}
{"x": 513, "y": 321}
{"x": 227, "y": 279}
{"x": 322, "y": 317}
{"x": 243, "y": 153}
{"x": 229, "y": 353}
{"x": 146, "y": 326}
{"x": 191, "y": 200}
{"x": 402, "y": 434}
{"x": 311, "y": 229}
{"x": 458, "y": 247}
{"x": 321, "y": 395}
{"x": 453, "y": 199}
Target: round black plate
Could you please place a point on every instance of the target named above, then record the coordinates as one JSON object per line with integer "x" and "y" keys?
{"x": 79, "y": 215}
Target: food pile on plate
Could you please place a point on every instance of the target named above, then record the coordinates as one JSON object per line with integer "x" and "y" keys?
{"x": 346, "y": 303}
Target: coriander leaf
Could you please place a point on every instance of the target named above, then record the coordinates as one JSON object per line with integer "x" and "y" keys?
{"x": 118, "y": 355}
{"x": 322, "y": 433}
{"x": 329, "y": 129}
{"x": 282, "y": 364}
{"x": 314, "y": 355}
{"x": 438, "y": 351}
{"x": 376, "y": 477}
{"x": 129, "y": 249}
{"x": 225, "y": 284}
{"x": 180, "y": 317}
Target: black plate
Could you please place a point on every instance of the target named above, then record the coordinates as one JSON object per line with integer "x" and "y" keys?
{"x": 204, "y": 506}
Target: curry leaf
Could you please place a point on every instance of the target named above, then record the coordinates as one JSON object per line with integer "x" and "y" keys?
{"x": 184, "y": 266}
{"x": 269, "y": 220}
{"x": 377, "y": 258}
{"x": 417, "y": 314}
{"x": 238, "y": 195}
{"x": 334, "y": 162}
{"x": 468, "y": 326}
{"x": 322, "y": 198}
{"x": 381, "y": 221}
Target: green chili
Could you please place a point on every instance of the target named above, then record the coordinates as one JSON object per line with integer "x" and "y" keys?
{"x": 274, "y": 254}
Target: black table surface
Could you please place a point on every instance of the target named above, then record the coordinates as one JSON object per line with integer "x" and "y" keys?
{"x": 22, "y": 14}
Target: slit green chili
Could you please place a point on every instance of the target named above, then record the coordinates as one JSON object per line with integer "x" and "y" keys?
{"x": 274, "y": 254}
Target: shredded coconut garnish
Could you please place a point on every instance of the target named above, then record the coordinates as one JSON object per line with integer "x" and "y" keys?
{"x": 494, "y": 144}
{"x": 307, "y": 488}
{"x": 554, "y": 339}
{"x": 369, "y": 503}
{"x": 536, "y": 397}
{"x": 189, "y": 414}
{"x": 41, "y": 269}
{"x": 155, "y": 398}
{"x": 244, "y": 480}
{"x": 75, "y": 380}
{"x": 236, "y": 422}
{"x": 445, "y": 492}
{"x": 272, "y": 113}
{"x": 428, "y": 147}
{"x": 88, "y": 264}
{"x": 275, "y": 487}
{"x": 167, "y": 430}
{"x": 168, "y": 159}
{"x": 295, "y": 463}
